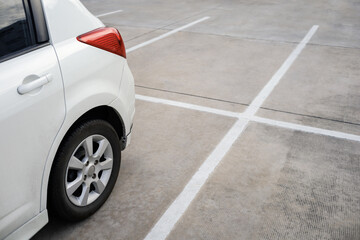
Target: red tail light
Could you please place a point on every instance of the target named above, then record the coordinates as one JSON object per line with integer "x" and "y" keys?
{"x": 106, "y": 38}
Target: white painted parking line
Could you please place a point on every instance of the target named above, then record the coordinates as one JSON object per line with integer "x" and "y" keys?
{"x": 109, "y": 13}
{"x": 178, "y": 207}
{"x": 168, "y": 220}
{"x": 188, "y": 106}
{"x": 166, "y": 34}
{"x": 269, "y": 87}
{"x": 308, "y": 129}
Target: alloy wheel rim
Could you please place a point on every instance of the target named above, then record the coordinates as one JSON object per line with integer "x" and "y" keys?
{"x": 89, "y": 170}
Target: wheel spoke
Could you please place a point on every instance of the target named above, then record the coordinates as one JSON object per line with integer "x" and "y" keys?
{"x": 107, "y": 164}
{"x": 75, "y": 163}
{"x": 88, "y": 145}
{"x": 84, "y": 195}
{"x": 103, "y": 144}
{"x": 99, "y": 186}
{"x": 71, "y": 187}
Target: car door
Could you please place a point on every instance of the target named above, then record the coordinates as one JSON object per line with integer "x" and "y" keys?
{"x": 32, "y": 109}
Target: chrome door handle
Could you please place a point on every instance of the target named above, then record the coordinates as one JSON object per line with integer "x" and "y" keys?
{"x": 28, "y": 87}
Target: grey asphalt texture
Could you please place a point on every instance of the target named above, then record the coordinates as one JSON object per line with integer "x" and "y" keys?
{"x": 274, "y": 183}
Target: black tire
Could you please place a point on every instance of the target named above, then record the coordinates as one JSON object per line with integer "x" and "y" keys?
{"x": 59, "y": 204}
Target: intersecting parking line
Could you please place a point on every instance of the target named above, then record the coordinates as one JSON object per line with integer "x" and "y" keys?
{"x": 267, "y": 121}
{"x": 167, "y": 221}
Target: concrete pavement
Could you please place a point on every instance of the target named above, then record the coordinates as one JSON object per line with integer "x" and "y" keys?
{"x": 273, "y": 183}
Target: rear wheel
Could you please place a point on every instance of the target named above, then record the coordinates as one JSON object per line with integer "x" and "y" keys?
{"x": 84, "y": 171}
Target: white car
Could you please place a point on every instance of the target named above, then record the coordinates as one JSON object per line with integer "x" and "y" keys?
{"x": 66, "y": 112}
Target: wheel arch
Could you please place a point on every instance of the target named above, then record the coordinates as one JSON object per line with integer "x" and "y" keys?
{"x": 106, "y": 113}
{"x": 103, "y": 112}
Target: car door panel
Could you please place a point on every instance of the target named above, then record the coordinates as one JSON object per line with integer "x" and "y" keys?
{"x": 29, "y": 123}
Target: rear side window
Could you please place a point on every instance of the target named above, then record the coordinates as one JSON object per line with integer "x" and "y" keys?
{"x": 14, "y": 28}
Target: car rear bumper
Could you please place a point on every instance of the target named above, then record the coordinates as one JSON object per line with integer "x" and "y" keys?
{"x": 124, "y": 104}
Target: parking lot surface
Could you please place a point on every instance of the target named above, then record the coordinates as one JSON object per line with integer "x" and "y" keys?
{"x": 247, "y": 122}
